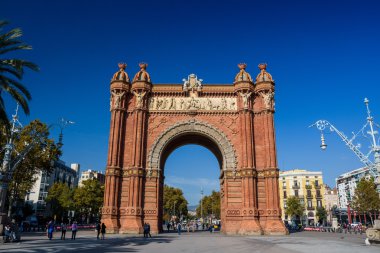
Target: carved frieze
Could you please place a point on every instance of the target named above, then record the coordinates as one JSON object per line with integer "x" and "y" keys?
{"x": 192, "y": 103}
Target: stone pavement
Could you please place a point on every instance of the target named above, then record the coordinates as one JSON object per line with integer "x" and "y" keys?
{"x": 194, "y": 242}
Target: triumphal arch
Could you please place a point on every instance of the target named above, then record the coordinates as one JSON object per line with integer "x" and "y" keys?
{"x": 234, "y": 121}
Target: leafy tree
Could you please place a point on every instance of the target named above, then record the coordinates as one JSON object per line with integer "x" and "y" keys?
{"x": 294, "y": 207}
{"x": 12, "y": 70}
{"x": 42, "y": 153}
{"x": 88, "y": 199}
{"x": 321, "y": 214}
{"x": 174, "y": 202}
{"x": 210, "y": 205}
{"x": 366, "y": 198}
{"x": 60, "y": 199}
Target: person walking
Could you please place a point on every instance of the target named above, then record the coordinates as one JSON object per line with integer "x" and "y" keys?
{"x": 145, "y": 228}
{"x": 50, "y": 228}
{"x": 98, "y": 228}
{"x": 103, "y": 230}
{"x": 148, "y": 230}
{"x": 74, "y": 229}
{"x": 179, "y": 228}
{"x": 63, "y": 230}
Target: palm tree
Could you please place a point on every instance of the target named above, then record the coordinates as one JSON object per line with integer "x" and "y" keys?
{"x": 12, "y": 70}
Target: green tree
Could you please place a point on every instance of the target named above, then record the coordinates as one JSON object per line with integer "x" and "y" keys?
{"x": 294, "y": 207}
{"x": 210, "y": 205}
{"x": 88, "y": 199}
{"x": 366, "y": 198}
{"x": 60, "y": 200}
{"x": 321, "y": 214}
{"x": 12, "y": 70}
{"x": 174, "y": 203}
{"x": 40, "y": 158}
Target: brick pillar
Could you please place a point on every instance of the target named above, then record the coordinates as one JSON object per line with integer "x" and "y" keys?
{"x": 134, "y": 172}
{"x": 270, "y": 212}
{"x": 250, "y": 223}
{"x": 110, "y": 210}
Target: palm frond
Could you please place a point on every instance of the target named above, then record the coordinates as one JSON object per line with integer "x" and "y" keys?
{"x": 14, "y": 48}
{"x": 12, "y": 71}
{"x": 19, "y": 64}
{"x": 6, "y": 81}
{"x": 17, "y": 97}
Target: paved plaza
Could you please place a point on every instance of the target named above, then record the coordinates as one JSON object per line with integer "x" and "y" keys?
{"x": 195, "y": 242}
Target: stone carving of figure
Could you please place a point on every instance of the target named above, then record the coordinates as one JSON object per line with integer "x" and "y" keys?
{"x": 151, "y": 103}
{"x": 232, "y": 104}
{"x": 209, "y": 104}
{"x": 224, "y": 104}
{"x": 159, "y": 103}
{"x": 245, "y": 97}
{"x": 181, "y": 102}
{"x": 172, "y": 104}
{"x": 117, "y": 98}
{"x": 139, "y": 98}
{"x": 267, "y": 99}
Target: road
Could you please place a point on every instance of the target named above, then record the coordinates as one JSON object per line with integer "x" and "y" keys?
{"x": 194, "y": 242}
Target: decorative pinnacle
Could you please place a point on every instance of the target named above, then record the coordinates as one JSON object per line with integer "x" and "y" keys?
{"x": 262, "y": 66}
{"x": 143, "y": 65}
{"x": 122, "y": 65}
{"x": 242, "y": 65}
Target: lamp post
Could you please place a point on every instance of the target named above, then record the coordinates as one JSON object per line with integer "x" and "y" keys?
{"x": 202, "y": 204}
{"x": 373, "y": 166}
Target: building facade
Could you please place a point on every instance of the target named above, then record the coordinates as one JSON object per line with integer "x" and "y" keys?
{"x": 235, "y": 121}
{"x": 61, "y": 173}
{"x": 92, "y": 174}
{"x": 346, "y": 185}
{"x": 330, "y": 197}
{"x": 308, "y": 187}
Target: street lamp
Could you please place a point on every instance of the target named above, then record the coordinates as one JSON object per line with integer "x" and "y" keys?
{"x": 373, "y": 166}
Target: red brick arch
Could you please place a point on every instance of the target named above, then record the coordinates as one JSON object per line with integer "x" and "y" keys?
{"x": 234, "y": 121}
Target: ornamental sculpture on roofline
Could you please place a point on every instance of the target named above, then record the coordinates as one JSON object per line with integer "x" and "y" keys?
{"x": 192, "y": 83}
{"x": 121, "y": 75}
{"x": 142, "y": 75}
{"x": 243, "y": 75}
{"x": 263, "y": 76}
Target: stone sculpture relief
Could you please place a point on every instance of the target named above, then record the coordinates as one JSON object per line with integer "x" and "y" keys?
{"x": 268, "y": 97}
{"x": 191, "y": 103}
{"x": 116, "y": 99}
{"x": 139, "y": 98}
{"x": 245, "y": 97}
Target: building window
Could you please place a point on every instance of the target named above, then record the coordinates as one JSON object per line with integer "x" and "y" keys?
{"x": 283, "y": 183}
{"x": 285, "y": 206}
{"x": 319, "y": 203}
{"x": 309, "y": 203}
{"x": 307, "y": 182}
{"x": 316, "y": 183}
{"x": 296, "y": 193}
{"x": 295, "y": 183}
{"x": 284, "y": 194}
{"x": 318, "y": 193}
{"x": 309, "y": 193}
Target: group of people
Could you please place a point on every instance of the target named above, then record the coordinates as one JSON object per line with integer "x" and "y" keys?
{"x": 51, "y": 226}
{"x": 100, "y": 229}
{"x": 11, "y": 233}
{"x": 147, "y": 230}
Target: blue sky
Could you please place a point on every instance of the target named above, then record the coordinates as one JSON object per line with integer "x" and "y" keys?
{"x": 323, "y": 55}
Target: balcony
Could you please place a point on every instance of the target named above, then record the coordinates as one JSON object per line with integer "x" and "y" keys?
{"x": 309, "y": 196}
{"x": 318, "y": 196}
{"x": 317, "y": 186}
{"x": 296, "y": 187}
{"x": 308, "y": 187}
{"x": 310, "y": 208}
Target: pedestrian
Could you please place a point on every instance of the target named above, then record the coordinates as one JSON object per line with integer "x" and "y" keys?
{"x": 168, "y": 226}
{"x": 148, "y": 230}
{"x": 50, "y": 228}
{"x": 103, "y": 230}
{"x": 145, "y": 228}
{"x": 63, "y": 230}
{"x": 74, "y": 229}
{"x": 97, "y": 230}
{"x": 179, "y": 227}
